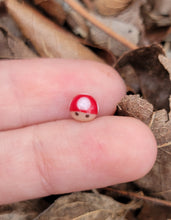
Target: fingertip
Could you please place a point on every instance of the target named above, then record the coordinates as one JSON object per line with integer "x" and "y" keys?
{"x": 67, "y": 156}
{"x": 113, "y": 76}
{"x": 44, "y": 89}
{"x": 118, "y": 149}
{"x": 100, "y": 80}
{"x": 144, "y": 148}
{"x": 149, "y": 145}
{"x": 129, "y": 149}
{"x": 110, "y": 81}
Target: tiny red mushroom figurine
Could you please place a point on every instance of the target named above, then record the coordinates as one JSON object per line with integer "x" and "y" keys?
{"x": 83, "y": 108}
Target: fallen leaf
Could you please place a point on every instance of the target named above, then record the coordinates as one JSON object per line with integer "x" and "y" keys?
{"x": 90, "y": 32}
{"x": 135, "y": 106}
{"x": 157, "y": 20}
{"x": 167, "y": 47}
{"x": 157, "y": 36}
{"x": 53, "y": 9}
{"x": 9, "y": 24}
{"x": 111, "y": 7}
{"x": 12, "y": 47}
{"x": 48, "y": 39}
{"x": 162, "y": 7}
{"x": 91, "y": 18}
{"x": 129, "y": 31}
{"x": 77, "y": 23}
{"x": 22, "y": 210}
{"x": 2, "y": 8}
{"x": 161, "y": 127}
{"x": 103, "y": 53}
{"x": 130, "y": 77}
{"x": 85, "y": 206}
{"x": 74, "y": 20}
{"x": 166, "y": 63}
{"x": 158, "y": 181}
{"x": 153, "y": 77}
{"x": 157, "y": 14}
{"x": 153, "y": 211}
{"x": 134, "y": 18}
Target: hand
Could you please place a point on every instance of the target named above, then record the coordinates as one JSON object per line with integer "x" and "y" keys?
{"x": 43, "y": 151}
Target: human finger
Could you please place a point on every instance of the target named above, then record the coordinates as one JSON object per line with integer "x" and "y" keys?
{"x": 65, "y": 156}
{"x": 40, "y": 90}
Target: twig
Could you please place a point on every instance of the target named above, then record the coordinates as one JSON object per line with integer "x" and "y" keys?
{"x": 83, "y": 12}
{"x": 138, "y": 196}
{"x": 165, "y": 145}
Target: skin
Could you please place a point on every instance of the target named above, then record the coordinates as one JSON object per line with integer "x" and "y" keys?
{"x": 44, "y": 151}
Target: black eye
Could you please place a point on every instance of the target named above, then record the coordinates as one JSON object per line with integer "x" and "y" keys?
{"x": 76, "y": 113}
{"x": 87, "y": 116}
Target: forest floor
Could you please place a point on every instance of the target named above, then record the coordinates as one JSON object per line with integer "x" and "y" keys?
{"x": 134, "y": 37}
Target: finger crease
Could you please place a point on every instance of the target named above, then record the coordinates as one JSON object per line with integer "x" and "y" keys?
{"x": 41, "y": 162}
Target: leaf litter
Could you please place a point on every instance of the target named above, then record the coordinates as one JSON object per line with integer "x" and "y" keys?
{"x": 83, "y": 206}
{"x": 105, "y": 25}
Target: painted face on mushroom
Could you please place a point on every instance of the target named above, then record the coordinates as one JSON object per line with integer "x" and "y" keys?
{"x": 83, "y": 108}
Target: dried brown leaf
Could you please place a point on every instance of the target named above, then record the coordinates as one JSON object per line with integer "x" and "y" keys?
{"x": 3, "y": 10}
{"x": 158, "y": 121}
{"x": 130, "y": 77}
{"x": 22, "y": 210}
{"x": 103, "y": 53}
{"x": 97, "y": 215}
{"x": 132, "y": 15}
{"x": 48, "y": 39}
{"x": 161, "y": 127}
{"x": 10, "y": 25}
{"x": 162, "y": 7}
{"x": 111, "y": 7}
{"x": 124, "y": 29}
{"x": 77, "y": 24}
{"x": 157, "y": 19}
{"x": 157, "y": 35}
{"x": 12, "y": 47}
{"x": 106, "y": 32}
{"x": 53, "y": 9}
{"x": 153, "y": 211}
{"x": 166, "y": 63}
{"x": 99, "y": 34}
{"x": 134, "y": 106}
{"x": 153, "y": 77}
{"x": 158, "y": 181}
{"x": 85, "y": 206}
{"x": 167, "y": 44}
{"x": 93, "y": 20}
{"x": 157, "y": 14}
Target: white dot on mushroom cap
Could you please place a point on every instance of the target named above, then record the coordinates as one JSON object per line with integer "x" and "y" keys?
{"x": 83, "y": 103}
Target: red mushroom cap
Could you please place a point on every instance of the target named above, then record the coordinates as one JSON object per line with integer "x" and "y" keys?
{"x": 84, "y": 103}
